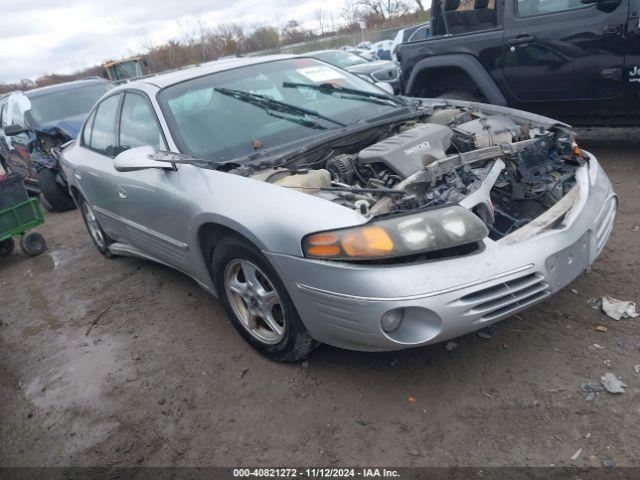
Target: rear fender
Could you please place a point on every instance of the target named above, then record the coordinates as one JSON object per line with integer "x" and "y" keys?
{"x": 467, "y": 64}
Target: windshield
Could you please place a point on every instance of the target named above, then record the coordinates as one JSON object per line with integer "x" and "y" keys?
{"x": 210, "y": 118}
{"x": 341, "y": 59}
{"x": 53, "y": 107}
{"x": 126, "y": 70}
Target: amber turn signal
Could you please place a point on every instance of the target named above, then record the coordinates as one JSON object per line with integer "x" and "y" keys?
{"x": 323, "y": 245}
{"x": 367, "y": 242}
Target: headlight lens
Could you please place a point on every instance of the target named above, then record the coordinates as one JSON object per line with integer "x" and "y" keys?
{"x": 399, "y": 236}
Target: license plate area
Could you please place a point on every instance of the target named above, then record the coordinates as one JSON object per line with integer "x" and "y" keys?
{"x": 566, "y": 265}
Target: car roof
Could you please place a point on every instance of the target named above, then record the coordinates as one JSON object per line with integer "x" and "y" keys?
{"x": 171, "y": 78}
{"x": 61, "y": 87}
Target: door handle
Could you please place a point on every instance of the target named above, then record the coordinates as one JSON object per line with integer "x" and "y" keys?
{"x": 521, "y": 40}
{"x": 122, "y": 193}
{"x": 77, "y": 175}
{"x": 613, "y": 30}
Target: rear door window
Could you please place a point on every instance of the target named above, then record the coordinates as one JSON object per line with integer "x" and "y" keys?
{"x": 103, "y": 134}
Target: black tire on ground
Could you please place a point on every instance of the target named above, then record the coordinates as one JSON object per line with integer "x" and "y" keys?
{"x": 6, "y": 247}
{"x": 58, "y": 198}
{"x": 100, "y": 239}
{"x": 296, "y": 343}
{"x": 33, "y": 244}
{"x": 45, "y": 203}
{"x": 462, "y": 95}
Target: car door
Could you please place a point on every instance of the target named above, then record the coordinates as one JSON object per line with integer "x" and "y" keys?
{"x": 95, "y": 173}
{"x": 633, "y": 47}
{"x": 157, "y": 221}
{"x": 563, "y": 50}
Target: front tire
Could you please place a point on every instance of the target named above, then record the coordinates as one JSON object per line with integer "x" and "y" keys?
{"x": 100, "y": 239}
{"x": 56, "y": 196}
{"x": 45, "y": 203}
{"x": 257, "y": 302}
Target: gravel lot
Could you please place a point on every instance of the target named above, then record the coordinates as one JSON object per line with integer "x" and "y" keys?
{"x": 125, "y": 362}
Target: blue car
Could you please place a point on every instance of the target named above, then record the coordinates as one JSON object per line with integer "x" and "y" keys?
{"x": 35, "y": 124}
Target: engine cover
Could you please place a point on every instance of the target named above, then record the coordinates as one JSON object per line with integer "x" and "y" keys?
{"x": 410, "y": 151}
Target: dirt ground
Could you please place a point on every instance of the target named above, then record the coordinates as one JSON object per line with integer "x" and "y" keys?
{"x": 124, "y": 362}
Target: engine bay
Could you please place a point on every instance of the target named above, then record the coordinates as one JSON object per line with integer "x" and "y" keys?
{"x": 506, "y": 172}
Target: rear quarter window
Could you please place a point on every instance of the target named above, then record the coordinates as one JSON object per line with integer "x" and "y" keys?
{"x": 103, "y": 135}
{"x": 88, "y": 127}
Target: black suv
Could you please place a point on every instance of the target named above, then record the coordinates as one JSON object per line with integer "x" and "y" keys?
{"x": 577, "y": 60}
{"x": 33, "y": 127}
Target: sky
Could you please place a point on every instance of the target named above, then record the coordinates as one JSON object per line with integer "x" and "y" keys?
{"x": 62, "y": 36}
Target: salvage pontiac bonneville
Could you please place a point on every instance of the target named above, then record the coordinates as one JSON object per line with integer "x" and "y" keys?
{"x": 318, "y": 208}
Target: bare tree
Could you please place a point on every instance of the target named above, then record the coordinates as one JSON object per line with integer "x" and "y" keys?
{"x": 384, "y": 9}
{"x": 321, "y": 18}
{"x": 263, "y": 38}
{"x": 420, "y": 4}
{"x": 352, "y": 11}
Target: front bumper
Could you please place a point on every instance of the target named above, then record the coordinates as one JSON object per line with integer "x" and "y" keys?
{"x": 341, "y": 304}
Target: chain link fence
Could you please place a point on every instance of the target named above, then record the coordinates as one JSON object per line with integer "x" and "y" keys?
{"x": 335, "y": 42}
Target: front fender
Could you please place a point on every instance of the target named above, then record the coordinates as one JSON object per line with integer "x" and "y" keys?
{"x": 274, "y": 218}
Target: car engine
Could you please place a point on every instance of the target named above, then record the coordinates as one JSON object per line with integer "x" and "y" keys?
{"x": 507, "y": 173}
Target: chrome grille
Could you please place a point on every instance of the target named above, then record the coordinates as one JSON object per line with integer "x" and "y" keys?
{"x": 507, "y": 297}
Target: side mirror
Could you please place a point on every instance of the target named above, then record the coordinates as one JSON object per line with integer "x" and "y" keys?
{"x": 137, "y": 158}
{"x": 13, "y": 130}
{"x": 386, "y": 87}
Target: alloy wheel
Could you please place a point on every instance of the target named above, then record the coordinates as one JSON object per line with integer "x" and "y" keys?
{"x": 255, "y": 301}
{"x": 94, "y": 228}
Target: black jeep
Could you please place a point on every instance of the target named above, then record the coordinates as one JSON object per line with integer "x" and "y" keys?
{"x": 577, "y": 60}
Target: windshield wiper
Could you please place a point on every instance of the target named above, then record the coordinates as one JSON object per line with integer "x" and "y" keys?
{"x": 331, "y": 88}
{"x": 270, "y": 105}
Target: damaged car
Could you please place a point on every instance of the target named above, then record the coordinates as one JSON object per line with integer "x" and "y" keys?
{"x": 320, "y": 209}
{"x": 35, "y": 125}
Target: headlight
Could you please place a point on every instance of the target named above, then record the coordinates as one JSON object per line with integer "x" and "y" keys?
{"x": 430, "y": 231}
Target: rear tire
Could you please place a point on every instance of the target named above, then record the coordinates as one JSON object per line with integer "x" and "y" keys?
{"x": 100, "y": 239}
{"x": 272, "y": 327}
{"x": 6, "y": 247}
{"x": 57, "y": 197}
{"x": 33, "y": 244}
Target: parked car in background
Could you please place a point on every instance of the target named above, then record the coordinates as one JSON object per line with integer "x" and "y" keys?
{"x": 383, "y": 71}
{"x": 33, "y": 127}
{"x": 405, "y": 34}
{"x": 367, "y": 51}
{"x": 577, "y": 60}
{"x": 383, "y": 48}
{"x": 320, "y": 209}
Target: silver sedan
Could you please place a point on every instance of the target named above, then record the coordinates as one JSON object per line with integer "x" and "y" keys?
{"x": 318, "y": 208}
